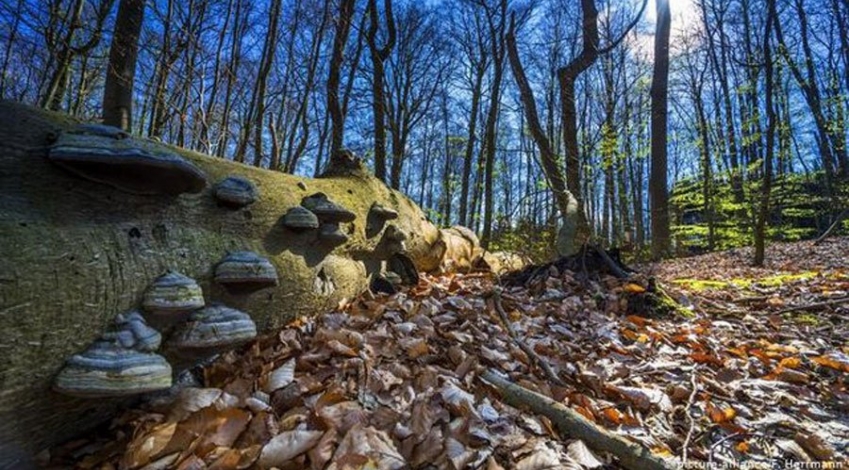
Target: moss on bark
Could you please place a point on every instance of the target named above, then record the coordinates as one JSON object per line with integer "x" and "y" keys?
{"x": 74, "y": 254}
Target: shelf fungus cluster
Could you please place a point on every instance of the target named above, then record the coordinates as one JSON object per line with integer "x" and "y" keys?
{"x": 377, "y": 217}
{"x": 173, "y": 296}
{"x": 235, "y": 192}
{"x": 245, "y": 271}
{"x": 300, "y": 219}
{"x": 213, "y": 329}
{"x": 123, "y": 361}
{"x": 109, "y": 155}
{"x": 120, "y": 363}
{"x": 330, "y": 215}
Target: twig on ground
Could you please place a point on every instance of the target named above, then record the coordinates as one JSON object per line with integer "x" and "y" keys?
{"x": 687, "y": 408}
{"x": 831, "y": 228}
{"x": 815, "y": 305}
{"x": 532, "y": 355}
{"x": 631, "y": 455}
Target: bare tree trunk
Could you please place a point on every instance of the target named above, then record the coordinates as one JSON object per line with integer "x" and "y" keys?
{"x": 468, "y": 155}
{"x": 564, "y": 199}
{"x": 294, "y": 152}
{"x": 60, "y": 78}
{"x": 7, "y": 56}
{"x": 205, "y": 144}
{"x": 658, "y": 190}
{"x": 763, "y": 213}
{"x": 378, "y": 56}
{"x": 239, "y": 28}
{"x": 121, "y": 71}
{"x": 268, "y": 54}
{"x": 340, "y": 39}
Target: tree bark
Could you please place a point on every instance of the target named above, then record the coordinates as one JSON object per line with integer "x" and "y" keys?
{"x": 340, "y": 39}
{"x": 268, "y": 53}
{"x": 763, "y": 213}
{"x": 379, "y": 54}
{"x": 77, "y": 253}
{"x": 658, "y": 190}
{"x": 565, "y": 200}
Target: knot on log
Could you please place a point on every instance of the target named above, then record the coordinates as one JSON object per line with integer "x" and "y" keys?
{"x": 345, "y": 163}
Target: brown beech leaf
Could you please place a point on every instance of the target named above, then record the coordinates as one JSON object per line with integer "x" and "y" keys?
{"x": 148, "y": 446}
{"x": 376, "y": 446}
{"x": 281, "y": 376}
{"x": 192, "y": 399}
{"x": 288, "y": 445}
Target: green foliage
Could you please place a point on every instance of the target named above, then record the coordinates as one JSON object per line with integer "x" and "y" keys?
{"x": 527, "y": 239}
{"x": 745, "y": 283}
{"x": 800, "y": 209}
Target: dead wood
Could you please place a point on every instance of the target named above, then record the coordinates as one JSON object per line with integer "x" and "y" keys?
{"x": 631, "y": 455}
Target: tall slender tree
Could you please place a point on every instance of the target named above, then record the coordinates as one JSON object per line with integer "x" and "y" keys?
{"x": 334, "y": 107}
{"x": 121, "y": 70}
{"x": 379, "y": 54}
{"x": 658, "y": 188}
{"x": 763, "y": 213}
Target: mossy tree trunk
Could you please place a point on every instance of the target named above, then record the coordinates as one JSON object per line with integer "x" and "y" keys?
{"x": 74, "y": 254}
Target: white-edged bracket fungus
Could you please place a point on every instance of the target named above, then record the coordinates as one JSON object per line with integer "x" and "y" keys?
{"x": 235, "y": 192}
{"x": 332, "y": 234}
{"x": 299, "y": 219}
{"x": 214, "y": 328}
{"x": 105, "y": 155}
{"x": 106, "y": 369}
{"x": 174, "y": 295}
{"x": 133, "y": 332}
{"x": 245, "y": 271}
{"x": 327, "y": 210}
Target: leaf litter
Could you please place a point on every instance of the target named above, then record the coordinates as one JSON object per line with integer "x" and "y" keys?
{"x": 392, "y": 382}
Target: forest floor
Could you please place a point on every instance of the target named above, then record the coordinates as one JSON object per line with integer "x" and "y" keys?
{"x": 751, "y": 370}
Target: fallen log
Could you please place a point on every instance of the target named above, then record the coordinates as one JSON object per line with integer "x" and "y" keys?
{"x": 75, "y": 253}
{"x": 569, "y": 423}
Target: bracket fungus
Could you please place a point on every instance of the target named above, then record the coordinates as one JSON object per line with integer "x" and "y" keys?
{"x": 382, "y": 212}
{"x": 299, "y": 219}
{"x": 327, "y": 210}
{"x": 377, "y": 217}
{"x": 101, "y": 154}
{"x": 214, "y": 328}
{"x": 106, "y": 369}
{"x": 133, "y": 332}
{"x": 332, "y": 234}
{"x": 173, "y": 294}
{"x": 245, "y": 271}
{"x": 392, "y": 241}
{"x": 235, "y": 192}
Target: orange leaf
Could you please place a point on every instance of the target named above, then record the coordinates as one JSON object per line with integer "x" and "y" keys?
{"x": 638, "y": 320}
{"x": 739, "y": 352}
{"x": 586, "y": 413}
{"x": 742, "y": 447}
{"x": 761, "y": 355}
{"x": 612, "y": 414}
{"x": 703, "y": 358}
{"x": 833, "y": 360}
{"x": 791, "y": 362}
{"x": 720, "y": 415}
{"x": 632, "y": 288}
